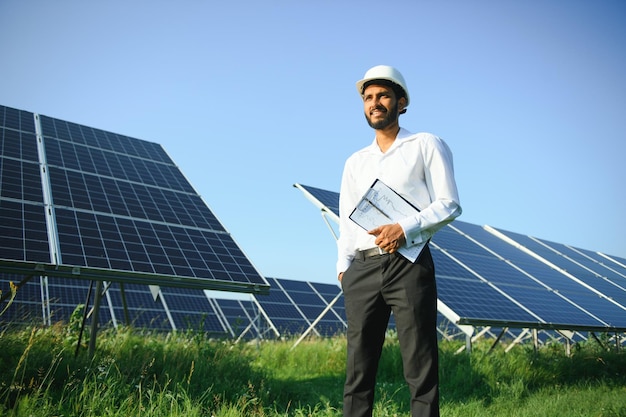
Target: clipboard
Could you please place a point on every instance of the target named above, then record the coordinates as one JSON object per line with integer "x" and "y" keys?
{"x": 380, "y": 205}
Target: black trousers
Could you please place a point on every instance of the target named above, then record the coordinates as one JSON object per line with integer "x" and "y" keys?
{"x": 373, "y": 287}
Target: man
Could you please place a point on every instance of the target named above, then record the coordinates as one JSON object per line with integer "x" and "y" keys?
{"x": 375, "y": 278}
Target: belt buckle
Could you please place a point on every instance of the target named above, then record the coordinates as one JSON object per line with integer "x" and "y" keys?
{"x": 381, "y": 251}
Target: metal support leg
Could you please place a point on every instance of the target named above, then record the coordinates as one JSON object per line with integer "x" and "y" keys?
{"x": 124, "y": 304}
{"x": 94, "y": 319}
{"x": 82, "y": 325}
{"x": 493, "y": 346}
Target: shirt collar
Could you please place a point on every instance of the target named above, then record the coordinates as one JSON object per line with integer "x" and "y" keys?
{"x": 402, "y": 134}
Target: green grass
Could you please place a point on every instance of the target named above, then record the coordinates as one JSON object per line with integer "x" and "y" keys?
{"x": 138, "y": 373}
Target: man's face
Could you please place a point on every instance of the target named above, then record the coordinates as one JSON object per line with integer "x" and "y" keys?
{"x": 380, "y": 106}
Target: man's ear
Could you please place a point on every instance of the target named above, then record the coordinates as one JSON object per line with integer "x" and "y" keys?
{"x": 402, "y": 105}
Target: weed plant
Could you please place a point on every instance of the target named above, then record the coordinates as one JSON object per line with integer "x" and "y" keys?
{"x": 139, "y": 373}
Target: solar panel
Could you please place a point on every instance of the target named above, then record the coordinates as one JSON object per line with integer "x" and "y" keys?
{"x": 83, "y": 203}
{"x": 143, "y": 310}
{"x": 526, "y": 286}
{"x": 484, "y": 280}
{"x": 27, "y": 305}
{"x": 242, "y": 317}
{"x": 293, "y": 307}
{"x": 48, "y": 300}
{"x": 610, "y": 282}
{"x": 324, "y": 199}
{"x": 189, "y": 309}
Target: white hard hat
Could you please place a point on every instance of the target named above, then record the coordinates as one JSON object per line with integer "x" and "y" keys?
{"x": 383, "y": 72}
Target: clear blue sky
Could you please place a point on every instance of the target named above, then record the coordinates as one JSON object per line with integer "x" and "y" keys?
{"x": 250, "y": 97}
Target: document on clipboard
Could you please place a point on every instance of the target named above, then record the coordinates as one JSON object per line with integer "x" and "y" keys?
{"x": 382, "y": 205}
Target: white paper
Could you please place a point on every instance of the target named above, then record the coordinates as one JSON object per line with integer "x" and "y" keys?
{"x": 382, "y": 205}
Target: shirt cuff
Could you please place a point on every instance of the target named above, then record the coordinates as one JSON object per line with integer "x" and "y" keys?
{"x": 412, "y": 234}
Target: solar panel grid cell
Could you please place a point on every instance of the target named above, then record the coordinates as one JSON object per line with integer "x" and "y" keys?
{"x": 607, "y": 311}
{"x": 20, "y": 180}
{"x": 276, "y": 296}
{"x": 467, "y": 299}
{"x": 495, "y": 270}
{"x": 613, "y": 281}
{"x": 145, "y": 319}
{"x": 446, "y": 267}
{"x": 327, "y": 198}
{"x": 68, "y": 291}
{"x": 19, "y": 145}
{"x": 26, "y": 307}
{"x": 550, "y": 307}
{"x": 452, "y": 241}
{"x": 329, "y": 292}
{"x": 143, "y": 310}
{"x": 310, "y": 312}
{"x": 282, "y": 311}
{"x": 578, "y": 297}
{"x": 17, "y": 119}
{"x": 236, "y": 314}
{"x": 613, "y": 272}
{"x": 591, "y": 278}
{"x": 191, "y": 310}
{"x": 31, "y": 242}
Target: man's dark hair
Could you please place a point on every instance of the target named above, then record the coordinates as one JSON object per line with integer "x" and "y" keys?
{"x": 398, "y": 91}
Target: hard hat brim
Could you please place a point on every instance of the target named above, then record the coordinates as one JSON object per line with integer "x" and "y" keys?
{"x": 361, "y": 83}
{"x": 383, "y": 72}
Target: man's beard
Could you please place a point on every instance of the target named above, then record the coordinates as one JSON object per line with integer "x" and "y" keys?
{"x": 391, "y": 116}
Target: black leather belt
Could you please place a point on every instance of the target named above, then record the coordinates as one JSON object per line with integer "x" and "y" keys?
{"x": 370, "y": 253}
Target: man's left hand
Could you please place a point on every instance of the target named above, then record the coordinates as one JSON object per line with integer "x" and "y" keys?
{"x": 389, "y": 237}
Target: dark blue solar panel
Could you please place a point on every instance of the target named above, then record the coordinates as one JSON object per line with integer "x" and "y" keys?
{"x": 452, "y": 241}
{"x": 143, "y": 310}
{"x": 328, "y": 198}
{"x": 329, "y": 292}
{"x": 551, "y": 307}
{"x": 23, "y": 231}
{"x": 472, "y": 299}
{"x": 20, "y": 180}
{"x": 311, "y": 312}
{"x": 27, "y": 306}
{"x": 239, "y": 314}
{"x": 284, "y": 316}
{"x": 31, "y": 305}
{"x": 192, "y": 310}
{"x": 122, "y": 208}
{"x": 617, "y": 260}
{"x": 612, "y": 270}
{"x": 313, "y": 305}
{"x": 614, "y": 276}
{"x": 583, "y": 303}
{"x": 189, "y": 308}
{"x": 527, "y": 292}
{"x": 22, "y": 218}
{"x": 293, "y": 306}
{"x": 17, "y": 119}
{"x": 591, "y": 278}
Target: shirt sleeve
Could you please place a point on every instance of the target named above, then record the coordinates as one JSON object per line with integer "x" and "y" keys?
{"x": 347, "y": 234}
{"x": 444, "y": 204}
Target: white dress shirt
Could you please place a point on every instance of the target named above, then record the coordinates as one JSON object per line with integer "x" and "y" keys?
{"x": 419, "y": 168}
